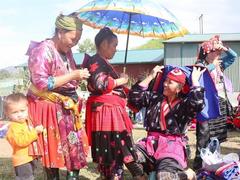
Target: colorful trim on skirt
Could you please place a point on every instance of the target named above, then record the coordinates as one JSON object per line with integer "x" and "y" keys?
{"x": 61, "y": 145}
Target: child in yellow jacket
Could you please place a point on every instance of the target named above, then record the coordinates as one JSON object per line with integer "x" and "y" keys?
{"x": 21, "y": 135}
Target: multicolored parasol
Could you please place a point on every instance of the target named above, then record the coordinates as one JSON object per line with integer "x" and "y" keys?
{"x": 145, "y": 18}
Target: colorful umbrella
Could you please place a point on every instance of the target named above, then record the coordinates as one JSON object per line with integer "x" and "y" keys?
{"x": 143, "y": 18}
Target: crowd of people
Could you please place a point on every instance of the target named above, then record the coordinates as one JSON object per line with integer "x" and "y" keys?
{"x": 46, "y": 123}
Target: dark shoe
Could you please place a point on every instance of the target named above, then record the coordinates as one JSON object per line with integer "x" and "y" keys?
{"x": 51, "y": 173}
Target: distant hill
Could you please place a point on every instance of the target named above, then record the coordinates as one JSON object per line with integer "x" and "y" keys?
{"x": 10, "y": 69}
{"x": 151, "y": 44}
{"x": 13, "y": 69}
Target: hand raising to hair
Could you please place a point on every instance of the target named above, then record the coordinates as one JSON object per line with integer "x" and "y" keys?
{"x": 219, "y": 46}
{"x": 151, "y": 76}
{"x": 156, "y": 69}
{"x": 196, "y": 74}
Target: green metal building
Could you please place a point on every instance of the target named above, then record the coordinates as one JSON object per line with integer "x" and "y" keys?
{"x": 183, "y": 51}
{"x": 139, "y": 62}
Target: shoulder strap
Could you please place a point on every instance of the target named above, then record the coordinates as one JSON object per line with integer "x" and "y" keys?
{"x": 228, "y": 104}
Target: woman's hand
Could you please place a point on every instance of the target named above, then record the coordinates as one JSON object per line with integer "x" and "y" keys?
{"x": 78, "y": 74}
{"x": 122, "y": 80}
{"x": 156, "y": 69}
{"x": 219, "y": 46}
{"x": 196, "y": 74}
{"x": 151, "y": 76}
{"x": 81, "y": 74}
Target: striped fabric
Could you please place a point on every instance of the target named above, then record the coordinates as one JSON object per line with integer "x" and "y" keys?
{"x": 218, "y": 126}
{"x": 167, "y": 176}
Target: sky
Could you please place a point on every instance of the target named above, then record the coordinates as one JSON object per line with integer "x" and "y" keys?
{"x": 26, "y": 20}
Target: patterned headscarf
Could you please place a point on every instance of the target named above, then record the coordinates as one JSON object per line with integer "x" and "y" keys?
{"x": 70, "y": 23}
{"x": 177, "y": 75}
{"x": 209, "y": 45}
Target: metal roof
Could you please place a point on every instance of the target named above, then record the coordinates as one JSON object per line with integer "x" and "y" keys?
{"x": 204, "y": 37}
{"x": 134, "y": 56}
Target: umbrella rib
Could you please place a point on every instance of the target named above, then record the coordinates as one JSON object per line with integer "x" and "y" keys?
{"x": 142, "y": 26}
{"x": 142, "y": 5}
{"x": 162, "y": 28}
{"x": 103, "y": 15}
{"x": 102, "y": 18}
{"x": 121, "y": 22}
{"x": 177, "y": 28}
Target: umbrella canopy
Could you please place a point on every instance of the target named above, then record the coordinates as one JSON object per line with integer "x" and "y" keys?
{"x": 144, "y": 18}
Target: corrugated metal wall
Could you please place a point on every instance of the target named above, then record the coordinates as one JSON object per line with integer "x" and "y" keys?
{"x": 186, "y": 54}
{"x": 233, "y": 72}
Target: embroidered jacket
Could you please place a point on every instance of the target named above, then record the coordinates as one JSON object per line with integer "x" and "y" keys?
{"x": 177, "y": 118}
{"x": 102, "y": 77}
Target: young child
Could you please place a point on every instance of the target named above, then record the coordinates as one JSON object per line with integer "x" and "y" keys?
{"x": 21, "y": 135}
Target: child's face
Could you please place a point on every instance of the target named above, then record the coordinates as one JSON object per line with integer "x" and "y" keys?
{"x": 18, "y": 111}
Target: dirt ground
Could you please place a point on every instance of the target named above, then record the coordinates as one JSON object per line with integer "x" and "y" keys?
{"x": 6, "y": 171}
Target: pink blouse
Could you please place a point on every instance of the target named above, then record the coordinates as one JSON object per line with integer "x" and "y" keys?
{"x": 45, "y": 62}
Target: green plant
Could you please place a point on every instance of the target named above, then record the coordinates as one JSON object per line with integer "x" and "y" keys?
{"x": 24, "y": 76}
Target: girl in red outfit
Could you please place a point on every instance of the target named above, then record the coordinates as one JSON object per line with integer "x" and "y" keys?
{"x": 108, "y": 124}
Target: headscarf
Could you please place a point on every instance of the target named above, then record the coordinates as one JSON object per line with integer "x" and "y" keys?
{"x": 209, "y": 45}
{"x": 211, "y": 109}
{"x": 177, "y": 75}
{"x": 69, "y": 22}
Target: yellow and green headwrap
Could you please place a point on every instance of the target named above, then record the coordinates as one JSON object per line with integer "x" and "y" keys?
{"x": 70, "y": 23}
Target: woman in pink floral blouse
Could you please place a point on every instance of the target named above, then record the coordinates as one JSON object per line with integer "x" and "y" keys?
{"x": 53, "y": 98}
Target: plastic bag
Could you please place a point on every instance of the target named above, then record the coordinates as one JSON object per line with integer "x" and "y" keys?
{"x": 212, "y": 157}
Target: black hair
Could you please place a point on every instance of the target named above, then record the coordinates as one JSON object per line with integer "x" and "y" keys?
{"x": 104, "y": 34}
{"x": 201, "y": 55}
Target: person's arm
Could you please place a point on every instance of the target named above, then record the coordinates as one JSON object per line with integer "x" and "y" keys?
{"x": 42, "y": 65}
{"x": 229, "y": 59}
{"x": 151, "y": 76}
{"x": 121, "y": 81}
{"x": 138, "y": 95}
{"x": 102, "y": 82}
{"x": 100, "y": 79}
{"x": 21, "y": 137}
{"x": 58, "y": 81}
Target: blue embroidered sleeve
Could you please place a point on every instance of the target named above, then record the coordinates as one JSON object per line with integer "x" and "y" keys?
{"x": 229, "y": 59}
{"x": 50, "y": 83}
